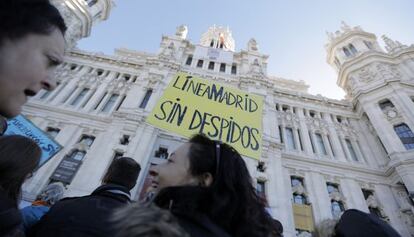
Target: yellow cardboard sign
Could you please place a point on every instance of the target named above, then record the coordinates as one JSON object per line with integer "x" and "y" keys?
{"x": 192, "y": 105}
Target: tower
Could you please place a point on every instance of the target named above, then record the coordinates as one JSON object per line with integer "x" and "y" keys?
{"x": 218, "y": 37}
{"x": 380, "y": 85}
{"x": 81, "y": 15}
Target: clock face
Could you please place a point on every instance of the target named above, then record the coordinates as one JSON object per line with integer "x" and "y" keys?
{"x": 392, "y": 114}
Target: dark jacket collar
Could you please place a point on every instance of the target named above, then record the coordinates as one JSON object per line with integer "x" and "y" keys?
{"x": 10, "y": 216}
{"x": 113, "y": 190}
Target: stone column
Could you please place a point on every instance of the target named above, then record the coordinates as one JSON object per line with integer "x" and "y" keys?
{"x": 297, "y": 141}
{"x": 353, "y": 194}
{"x": 319, "y": 198}
{"x": 384, "y": 128}
{"x": 345, "y": 147}
{"x": 142, "y": 153}
{"x": 391, "y": 209}
{"x": 278, "y": 195}
{"x": 66, "y": 92}
{"x": 327, "y": 146}
{"x": 305, "y": 132}
{"x": 339, "y": 153}
{"x": 315, "y": 144}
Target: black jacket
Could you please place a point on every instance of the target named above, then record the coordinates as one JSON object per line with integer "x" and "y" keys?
{"x": 83, "y": 216}
{"x": 188, "y": 205}
{"x": 355, "y": 223}
{"x": 10, "y": 218}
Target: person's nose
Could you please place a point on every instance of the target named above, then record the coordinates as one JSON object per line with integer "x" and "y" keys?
{"x": 153, "y": 171}
{"x": 49, "y": 83}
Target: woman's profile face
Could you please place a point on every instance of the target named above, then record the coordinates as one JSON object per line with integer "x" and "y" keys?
{"x": 175, "y": 172}
{"x": 26, "y": 66}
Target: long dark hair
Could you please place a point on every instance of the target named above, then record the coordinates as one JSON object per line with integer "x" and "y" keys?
{"x": 19, "y": 156}
{"x": 235, "y": 206}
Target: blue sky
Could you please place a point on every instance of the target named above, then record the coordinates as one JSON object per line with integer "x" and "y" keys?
{"x": 291, "y": 32}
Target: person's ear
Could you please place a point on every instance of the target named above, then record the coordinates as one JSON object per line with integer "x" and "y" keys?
{"x": 206, "y": 179}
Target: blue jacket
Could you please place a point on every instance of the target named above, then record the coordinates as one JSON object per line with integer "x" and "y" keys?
{"x": 32, "y": 214}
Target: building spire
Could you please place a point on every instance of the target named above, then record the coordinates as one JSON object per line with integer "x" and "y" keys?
{"x": 391, "y": 45}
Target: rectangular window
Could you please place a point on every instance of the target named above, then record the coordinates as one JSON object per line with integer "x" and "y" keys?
{"x": 189, "y": 60}
{"x": 290, "y": 140}
{"x": 320, "y": 143}
{"x": 280, "y": 134}
{"x": 124, "y": 140}
{"x": 52, "y": 132}
{"x": 80, "y": 97}
{"x": 200, "y": 63}
{"x": 161, "y": 153}
{"x": 87, "y": 140}
{"x": 330, "y": 145}
{"x": 45, "y": 94}
{"x": 100, "y": 101}
{"x": 88, "y": 98}
{"x": 146, "y": 98}
{"x": 120, "y": 103}
{"x": 222, "y": 67}
{"x": 300, "y": 141}
{"x": 260, "y": 188}
{"x": 110, "y": 103}
{"x": 351, "y": 150}
{"x": 234, "y": 69}
{"x": 67, "y": 96}
{"x": 77, "y": 155}
{"x": 312, "y": 142}
{"x": 211, "y": 65}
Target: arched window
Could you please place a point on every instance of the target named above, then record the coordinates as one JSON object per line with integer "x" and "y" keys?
{"x": 212, "y": 43}
{"x": 353, "y": 49}
{"x": 406, "y": 135}
{"x": 299, "y": 199}
{"x": 77, "y": 155}
{"x": 346, "y": 51}
{"x": 91, "y": 2}
{"x": 368, "y": 44}
{"x": 384, "y": 104}
{"x": 290, "y": 140}
{"x": 296, "y": 181}
{"x": 337, "y": 207}
{"x": 332, "y": 188}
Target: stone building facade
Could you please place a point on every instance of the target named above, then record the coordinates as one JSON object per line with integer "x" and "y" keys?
{"x": 320, "y": 156}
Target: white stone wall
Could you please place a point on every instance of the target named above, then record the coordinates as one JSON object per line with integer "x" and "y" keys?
{"x": 307, "y": 115}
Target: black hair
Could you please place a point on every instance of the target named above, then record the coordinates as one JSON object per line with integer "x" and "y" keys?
{"x": 19, "y": 157}
{"x": 123, "y": 171}
{"x": 235, "y": 206}
{"x": 19, "y": 18}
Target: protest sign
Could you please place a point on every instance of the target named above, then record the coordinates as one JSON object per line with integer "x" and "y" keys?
{"x": 193, "y": 105}
{"x": 22, "y": 126}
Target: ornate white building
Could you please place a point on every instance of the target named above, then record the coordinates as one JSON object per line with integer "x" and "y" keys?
{"x": 320, "y": 156}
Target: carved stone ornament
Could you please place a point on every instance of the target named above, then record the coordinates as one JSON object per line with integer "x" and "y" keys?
{"x": 337, "y": 196}
{"x": 372, "y": 202}
{"x": 299, "y": 189}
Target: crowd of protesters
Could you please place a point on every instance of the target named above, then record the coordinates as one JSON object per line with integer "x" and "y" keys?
{"x": 204, "y": 188}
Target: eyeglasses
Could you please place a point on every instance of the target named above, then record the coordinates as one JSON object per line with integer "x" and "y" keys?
{"x": 218, "y": 151}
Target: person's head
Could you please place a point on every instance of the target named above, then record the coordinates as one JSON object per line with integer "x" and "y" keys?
{"x": 136, "y": 220}
{"x": 31, "y": 46}
{"x": 123, "y": 171}
{"x": 220, "y": 169}
{"x": 19, "y": 157}
{"x": 326, "y": 228}
{"x": 52, "y": 193}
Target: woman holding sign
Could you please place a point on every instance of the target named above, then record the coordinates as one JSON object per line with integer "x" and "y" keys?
{"x": 207, "y": 186}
